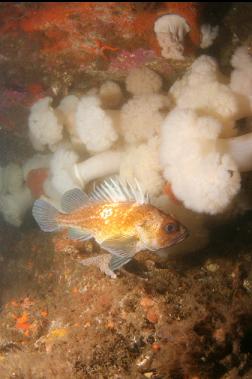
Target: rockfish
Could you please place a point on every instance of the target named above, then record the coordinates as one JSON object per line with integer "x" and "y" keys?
{"x": 118, "y": 216}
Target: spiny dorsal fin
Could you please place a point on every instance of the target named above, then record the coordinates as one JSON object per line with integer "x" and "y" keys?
{"x": 73, "y": 199}
{"x": 114, "y": 190}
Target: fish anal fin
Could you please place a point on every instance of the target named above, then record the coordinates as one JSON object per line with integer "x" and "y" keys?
{"x": 117, "y": 262}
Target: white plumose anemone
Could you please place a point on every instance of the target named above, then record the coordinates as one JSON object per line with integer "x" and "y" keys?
{"x": 143, "y": 81}
{"x": 142, "y": 163}
{"x": 14, "y": 206}
{"x": 241, "y": 76}
{"x": 98, "y": 166}
{"x": 12, "y": 178}
{"x": 44, "y": 127}
{"x": 94, "y": 127}
{"x": 62, "y": 175}
{"x": 202, "y": 89}
{"x": 170, "y": 31}
{"x": 110, "y": 94}
{"x": 203, "y": 177}
{"x": 141, "y": 117}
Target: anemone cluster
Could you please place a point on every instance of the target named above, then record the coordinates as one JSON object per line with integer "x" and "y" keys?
{"x": 186, "y": 140}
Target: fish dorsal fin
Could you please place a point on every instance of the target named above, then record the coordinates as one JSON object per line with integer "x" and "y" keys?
{"x": 73, "y": 199}
{"x": 122, "y": 246}
{"x": 114, "y": 190}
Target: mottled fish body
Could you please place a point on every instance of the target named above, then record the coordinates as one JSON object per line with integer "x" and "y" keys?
{"x": 118, "y": 216}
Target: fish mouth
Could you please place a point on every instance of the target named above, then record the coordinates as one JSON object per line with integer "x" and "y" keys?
{"x": 184, "y": 234}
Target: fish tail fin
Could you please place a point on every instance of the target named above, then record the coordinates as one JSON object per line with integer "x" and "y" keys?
{"x": 46, "y": 215}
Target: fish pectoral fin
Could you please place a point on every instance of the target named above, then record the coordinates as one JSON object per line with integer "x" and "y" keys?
{"x": 121, "y": 246}
{"x": 79, "y": 234}
{"x": 73, "y": 199}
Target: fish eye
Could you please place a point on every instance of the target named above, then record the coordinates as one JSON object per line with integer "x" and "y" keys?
{"x": 170, "y": 228}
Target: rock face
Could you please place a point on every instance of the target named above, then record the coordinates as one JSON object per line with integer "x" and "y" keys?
{"x": 47, "y": 49}
{"x": 60, "y": 319}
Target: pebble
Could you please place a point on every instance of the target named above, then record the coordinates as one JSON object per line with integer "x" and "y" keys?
{"x": 144, "y": 362}
{"x": 148, "y": 374}
{"x": 247, "y": 285}
{"x": 212, "y": 267}
{"x": 156, "y": 346}
{"x": 219, "y": 335}
{"x": 146, "y": 302}
{"x": 152, "y": 316}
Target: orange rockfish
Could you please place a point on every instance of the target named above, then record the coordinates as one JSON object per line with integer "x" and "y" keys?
{"x": 118, "y": 216}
